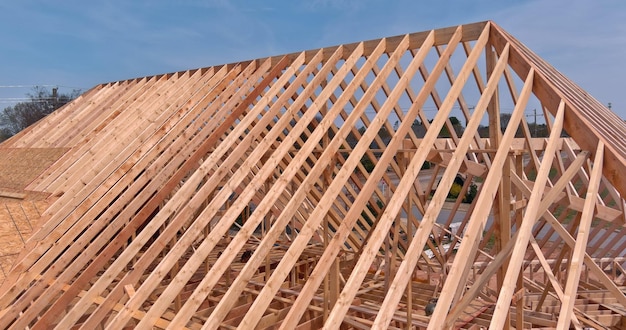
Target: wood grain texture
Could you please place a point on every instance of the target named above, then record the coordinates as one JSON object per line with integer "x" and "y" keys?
{"x": 343, "y": 187}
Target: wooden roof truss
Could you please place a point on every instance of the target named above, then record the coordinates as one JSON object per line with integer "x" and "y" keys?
{"x": 314, "y": 189}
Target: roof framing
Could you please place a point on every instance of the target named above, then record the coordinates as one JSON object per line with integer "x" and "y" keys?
{"x": 346, "y": 187}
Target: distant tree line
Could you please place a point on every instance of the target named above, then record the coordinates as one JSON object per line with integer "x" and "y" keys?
{"x": 536, "y": 130}
{"x": 419, "y": 129}
{"x": 40, "y": 103}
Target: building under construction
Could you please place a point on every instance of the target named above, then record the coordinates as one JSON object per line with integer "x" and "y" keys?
{"x": 442, "y": 179}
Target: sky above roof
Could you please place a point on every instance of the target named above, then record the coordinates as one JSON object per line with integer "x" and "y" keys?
{"x": 78, "y": 44}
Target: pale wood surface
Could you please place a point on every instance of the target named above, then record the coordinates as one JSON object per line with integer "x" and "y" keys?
{"x": 315, "y": 189}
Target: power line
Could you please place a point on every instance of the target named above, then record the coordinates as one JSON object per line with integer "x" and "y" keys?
{"x": 13, "y": 100}
{"x": 43, "y": 85}
{"x": 25, "y": 86}
{"x": 20, "y": 99}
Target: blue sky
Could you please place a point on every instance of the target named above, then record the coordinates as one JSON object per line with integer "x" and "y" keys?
{"x": 79, "y": 44}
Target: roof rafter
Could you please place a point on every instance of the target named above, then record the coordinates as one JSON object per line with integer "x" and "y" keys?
{"x": 350, "y": 186}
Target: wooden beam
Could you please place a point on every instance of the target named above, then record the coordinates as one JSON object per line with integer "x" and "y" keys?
{"x": 159, "y": 168}
{"x": 504, "y": 299}
{"x": 10, "y": 194}
{"x": 297, "y": 198}
{"x": 473, "y": 233}
{"x": 222, "y": 227}
{"x": 110, "y": 247}
{"x": 589, "y": 119}
{"x": 575, "y": 267}
{"x": 190, "y": 187}
{"x": 344, "y": 172}
{"x": 405, "y": 184}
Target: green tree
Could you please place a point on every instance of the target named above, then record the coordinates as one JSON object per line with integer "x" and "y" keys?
{"x": 456, "y": 125}
{"x": 41, "y": 102}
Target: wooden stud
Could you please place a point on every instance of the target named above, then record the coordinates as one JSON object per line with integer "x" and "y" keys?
{"x": 172, "y": 160}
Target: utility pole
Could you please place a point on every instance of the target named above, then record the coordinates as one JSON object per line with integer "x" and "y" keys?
{"x": 535, "y": 111}
{"x": 55, "y": 98}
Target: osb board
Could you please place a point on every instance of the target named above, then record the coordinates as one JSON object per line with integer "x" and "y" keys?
{"x": 20, "y": 166}
{"x": 17, "y": 222}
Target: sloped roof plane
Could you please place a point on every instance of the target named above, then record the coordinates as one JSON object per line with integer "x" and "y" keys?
{"x": 395, "y": 183}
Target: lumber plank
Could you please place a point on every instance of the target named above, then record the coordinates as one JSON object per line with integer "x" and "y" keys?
{"x": 75, "y": 231}
{"x": 164, "y": 201}
{"x": 502, "y": 306}
{"x": 189, "y": 187}
{"x": 460, "y": 266}
{"x": 222, "y": 226}
{"x": 575, "y": 266}
{"x": 435, "y": 205}
{"x": 299, "y": 244}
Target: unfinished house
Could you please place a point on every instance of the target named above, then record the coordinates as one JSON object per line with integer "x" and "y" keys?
{"x": 443, "y": 179}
